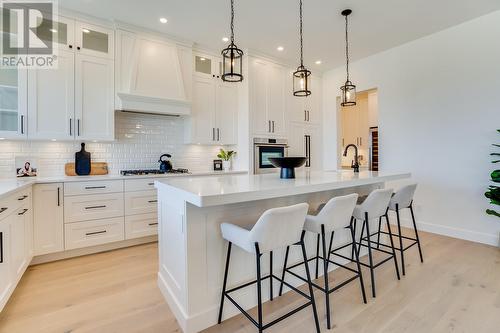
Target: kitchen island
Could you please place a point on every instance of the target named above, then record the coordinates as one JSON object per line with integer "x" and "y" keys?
{"x": 192, "y": 250}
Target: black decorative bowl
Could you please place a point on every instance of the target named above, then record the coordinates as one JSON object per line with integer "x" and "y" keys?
{"x": 287, "y": 165}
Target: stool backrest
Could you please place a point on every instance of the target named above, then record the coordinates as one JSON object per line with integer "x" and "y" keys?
{"x": 337, "y": 212}
{"x": 376, "y": 203}
{"x": 403, "y": 197}
{"x": 279, "y": 227}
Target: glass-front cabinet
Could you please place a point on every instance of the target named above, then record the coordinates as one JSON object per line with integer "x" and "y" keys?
{"x": 207, "y": 66}
{"x": 59, "y": 30}
{"x": 13, "y": 100}
{"x": 94, "y": 40}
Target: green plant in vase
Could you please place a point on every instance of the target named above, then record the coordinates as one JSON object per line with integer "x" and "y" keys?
{"x": 493, "y": 192}
{"x": 226, "y": 157}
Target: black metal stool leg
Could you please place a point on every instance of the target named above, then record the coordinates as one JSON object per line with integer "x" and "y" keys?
{"x": 392, "y": 246}
{"x": 259, "y": 288}
{"x": 317, "y": 255}
{"x": 370, "y": 257}
{"x": 224, "y": 283}
{"x": 416, "y": 233}
{"x": 378, "y": 234}
{"x": 308, "y": 275}
{"x": 325, "y": 275}
{"x": 401, "y": 249}
{"x": 353, "y": 226}
{"x": 361, "y": 237}
{"x": 360, "y": 274}
{"x": 284, "y": 270}
{"x": 271, "y": 296}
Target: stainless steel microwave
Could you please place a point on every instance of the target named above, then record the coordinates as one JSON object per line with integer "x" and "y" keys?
{"x": 264, "y": 148}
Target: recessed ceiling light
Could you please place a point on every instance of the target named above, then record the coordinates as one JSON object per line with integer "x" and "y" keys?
{"x": 86, "y": 30}
{"x": 53, "y": 30}
{"x": 225, "y": 39}
{"x": 202, "y": 59}
{"x": 318, "y": 62}
{"x": 53, "y": 140}
{"x": 280, "y": 48}
{"x": 2, "y": 138}
{"x": 163, "y": 20}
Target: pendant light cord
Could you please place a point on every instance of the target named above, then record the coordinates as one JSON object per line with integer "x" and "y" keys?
{"x": 232, "y": 21}
{"x": 347, "y": 47}
{"x": 301, "y": 41}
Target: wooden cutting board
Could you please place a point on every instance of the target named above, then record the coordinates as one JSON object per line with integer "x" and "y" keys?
{"x": 96, "y": 168}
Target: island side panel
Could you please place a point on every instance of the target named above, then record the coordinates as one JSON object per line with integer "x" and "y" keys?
{"x": 206, "y": 254}
{"x": 172, "y": 278}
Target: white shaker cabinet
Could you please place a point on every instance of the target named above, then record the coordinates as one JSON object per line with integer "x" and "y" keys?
{"x": 18, "y": 243}
{"x": 214, "y": 111}
{"x": 6, "y": 282}
{"x": 51, "y": 97}
{"x": 267, "y": 97}
{"x": 48, "y": 218}
{"x": 94, "y": 98}
{"x": 306, "y": 140}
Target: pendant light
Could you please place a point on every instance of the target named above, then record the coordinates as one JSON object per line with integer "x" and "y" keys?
{"x": 348, "y": 89}
{"x": 232, "y": 57}
{"x": 302, "y": 75}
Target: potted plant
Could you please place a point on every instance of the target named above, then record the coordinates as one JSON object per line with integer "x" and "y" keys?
{"x": 493, "y": 192}
{"x": 226, "y": 157}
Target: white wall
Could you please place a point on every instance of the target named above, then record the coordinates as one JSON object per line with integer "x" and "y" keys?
{"x": 140, "y": 140}
{"x": 439, "y": 107}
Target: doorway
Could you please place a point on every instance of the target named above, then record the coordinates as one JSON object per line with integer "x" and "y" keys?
{"x": 359, "y": 126}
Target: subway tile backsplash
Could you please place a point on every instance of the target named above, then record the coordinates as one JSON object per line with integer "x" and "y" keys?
{"x": 140, "y": 140}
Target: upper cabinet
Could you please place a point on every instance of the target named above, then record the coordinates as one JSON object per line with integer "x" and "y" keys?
{"x": 215, "y": 105}
{"x": 78, "y": 104}
{"x": 13, "y": 103}
{"x": 267, "y": 97}
{"x": 307, "y": 109}
{"x": 153, "y": 74}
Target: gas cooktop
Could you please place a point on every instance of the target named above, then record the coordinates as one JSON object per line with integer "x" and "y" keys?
{"x": 141, "y": 172}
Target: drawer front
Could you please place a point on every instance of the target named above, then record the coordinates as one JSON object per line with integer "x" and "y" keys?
{"x": 141, "y": 225}
{"x": 91, "y": 233}
{"x": 93, "y": 187}
{"x": 140, "y": 184}
{"x": 15, "y": 201}
{"x": 92, "y": 207}
{"x": 140, "y": 202}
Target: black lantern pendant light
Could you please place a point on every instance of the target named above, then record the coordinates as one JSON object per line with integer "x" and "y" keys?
{"x": 302, "y": 75}
{"x": 348, "y": 89}
{"x": 232, "y": 57}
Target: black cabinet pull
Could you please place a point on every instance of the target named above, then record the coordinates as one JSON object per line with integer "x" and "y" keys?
{"x": 94, "y": 187}
{"x": 95, "y": 233}
{"x": 3, "y": 209}
{"x": 151, "y": 184}
{"x": 218, "y": 134}
{"x": 58, "y": 196}
{"x": 22, "y": 124}
{"x": 95, "y": 207}
{"x": 78, "y": 128}
{"x": 151, "y": 201}
{"x": 70, "y": 46}
{"x": 70, "y": 127}
{"x": 23, "y": 212}
{"x": 78, "y": 47}
{"x": 22, "y": 198}
{"x": 1, "y": 247}
{"x": 152, "y": 224}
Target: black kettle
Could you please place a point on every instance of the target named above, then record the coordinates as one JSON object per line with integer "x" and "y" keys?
{"x": 165, "y": 164}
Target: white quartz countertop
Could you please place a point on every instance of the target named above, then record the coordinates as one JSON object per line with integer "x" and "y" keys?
{"x": 11, "y": 185}
{"x": 212, "y": 191}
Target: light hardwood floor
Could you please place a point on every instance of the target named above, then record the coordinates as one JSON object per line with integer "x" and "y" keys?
{"x": 457, "y": 289}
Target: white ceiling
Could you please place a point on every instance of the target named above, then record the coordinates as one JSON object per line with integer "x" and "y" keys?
{"x": 262, "y": 25}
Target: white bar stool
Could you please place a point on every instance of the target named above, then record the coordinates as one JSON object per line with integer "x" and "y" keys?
{"x": 375, "y": 207}
{"x": 276, "y": 228}
{"x": 336, "y": 215}
{"x": 403, "y": 199}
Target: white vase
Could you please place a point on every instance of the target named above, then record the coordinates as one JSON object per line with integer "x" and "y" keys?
{"x": 226, "y": 165}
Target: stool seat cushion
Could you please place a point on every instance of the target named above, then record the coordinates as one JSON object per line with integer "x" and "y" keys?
{"x": 403, "y": 198}
{"x": 334, "y": 215}
{"x": 375, "y": 204}
{"x": 238, "y": 236}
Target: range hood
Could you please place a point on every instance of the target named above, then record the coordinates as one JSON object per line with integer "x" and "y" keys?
{"x": 151, "y": 75}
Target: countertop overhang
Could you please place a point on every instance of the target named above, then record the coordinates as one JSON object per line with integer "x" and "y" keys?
{"x": 214, "y": 191}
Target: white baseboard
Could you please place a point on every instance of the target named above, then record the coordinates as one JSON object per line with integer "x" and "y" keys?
{"x": 473, "y": 236}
